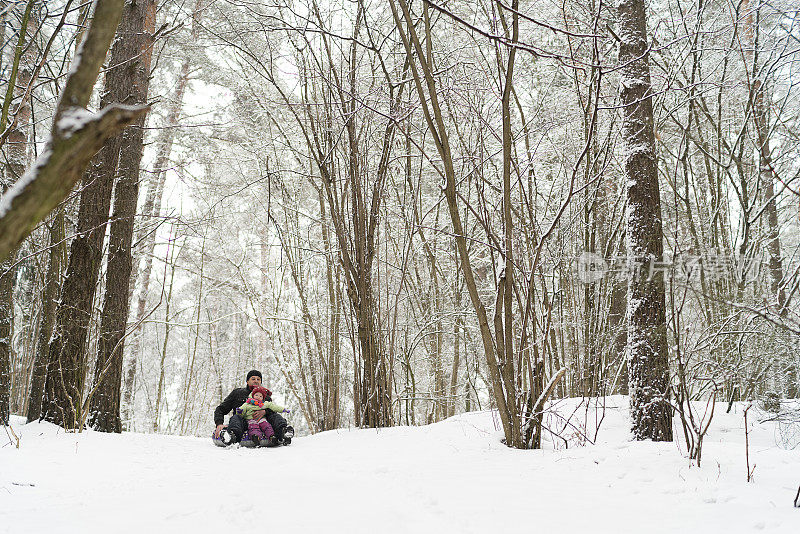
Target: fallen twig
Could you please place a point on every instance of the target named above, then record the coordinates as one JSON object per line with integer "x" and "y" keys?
{"x": 12, "y": 438}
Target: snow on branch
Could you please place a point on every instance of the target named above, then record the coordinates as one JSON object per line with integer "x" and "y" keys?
{"x": 76, "y": 137}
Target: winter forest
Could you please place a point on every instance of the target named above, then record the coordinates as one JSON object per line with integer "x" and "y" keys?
{"x": 535, "y": 218}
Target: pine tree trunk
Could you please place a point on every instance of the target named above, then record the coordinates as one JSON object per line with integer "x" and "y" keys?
{"x": 76, "y": 136}
{"x": 151, "y": 210}
{"x": 66, "y": 371}
{"x": 648, "y": 364}
{"x": 66, "y": 367}
{"x": 104, "y": 410}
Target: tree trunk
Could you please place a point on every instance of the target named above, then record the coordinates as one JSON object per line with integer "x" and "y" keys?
{"x": 187, "y": 398}
{"x": 169, "y": 260}
{"x": 331, "y": 403}
{"x": 619, "y": 336}
{"x": 6, "y": 307}
{"x": 104, "y": 411}
{"x": 648, "y": 364}
{"x": 55, "y": 265}
{"x": 67, "y": 361}
{"x": 357, "y": 244}
{"x": 55, "y": 270}
{"x": 151, "y": 210}
{"x": 765, "y": 171}
{"x": 16, "y": 161}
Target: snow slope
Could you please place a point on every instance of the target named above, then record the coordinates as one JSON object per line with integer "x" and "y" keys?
{"x": 453, "y": 476}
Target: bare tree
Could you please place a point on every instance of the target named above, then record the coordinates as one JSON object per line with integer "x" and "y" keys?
{"x": 56, "y": 263}
{"x": 75, "y": 138}
{"x": 56, "y": 258}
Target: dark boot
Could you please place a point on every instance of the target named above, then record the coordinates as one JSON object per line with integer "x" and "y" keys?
{"x": 278, "y": 424}
{"x": 236, "y": 426}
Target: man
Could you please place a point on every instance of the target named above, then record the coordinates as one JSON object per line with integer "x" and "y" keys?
{"x": 236, "y": 425}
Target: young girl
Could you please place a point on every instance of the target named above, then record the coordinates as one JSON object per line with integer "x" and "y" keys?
{"x": 259, "y": 429}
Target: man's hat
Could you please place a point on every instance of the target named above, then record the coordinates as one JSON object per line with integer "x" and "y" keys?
{"x": 254, "y": 373}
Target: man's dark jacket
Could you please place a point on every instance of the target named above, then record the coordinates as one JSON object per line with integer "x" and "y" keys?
{"x": 236, "y": 398}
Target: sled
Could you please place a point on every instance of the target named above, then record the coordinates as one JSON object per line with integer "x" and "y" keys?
{"x": 246, "y": 442}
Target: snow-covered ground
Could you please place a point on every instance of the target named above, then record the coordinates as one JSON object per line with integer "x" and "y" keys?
{"x": 453, "y": 476}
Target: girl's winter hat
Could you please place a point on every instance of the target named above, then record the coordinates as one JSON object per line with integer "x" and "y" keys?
{"x": 264, "y": 392}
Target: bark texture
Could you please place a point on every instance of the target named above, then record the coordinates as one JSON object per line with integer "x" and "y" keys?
{"x": 765, "y": 172}
{"x": 55, "y": 265}
{"x": 67, "y": 353}
{"x": 648, "y": 364}
{"x": 104, "y": 408}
